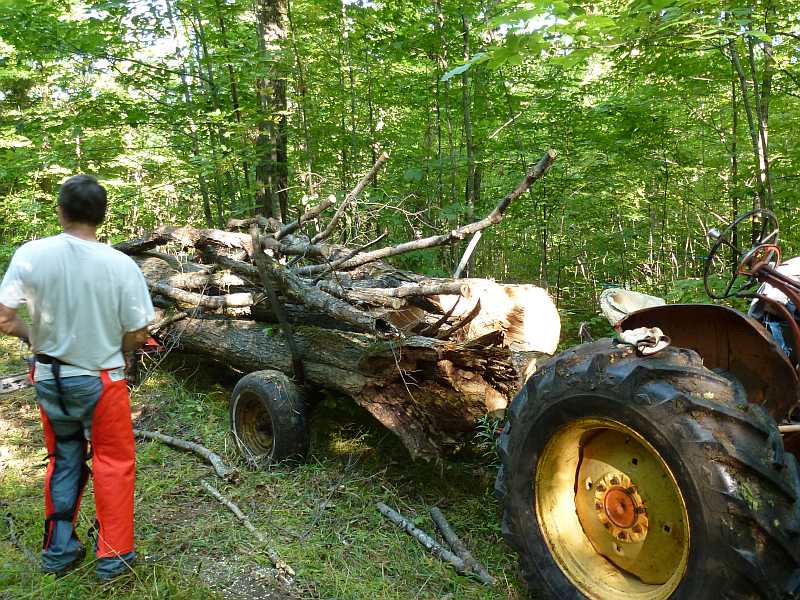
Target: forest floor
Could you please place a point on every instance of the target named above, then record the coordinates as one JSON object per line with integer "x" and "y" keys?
{"x": 320, "y": 515}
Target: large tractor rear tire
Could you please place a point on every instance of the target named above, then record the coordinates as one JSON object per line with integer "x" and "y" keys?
{"x": 650, "y": 478}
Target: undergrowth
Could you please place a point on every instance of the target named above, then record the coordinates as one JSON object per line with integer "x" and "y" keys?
{"x": 319, "y": 515}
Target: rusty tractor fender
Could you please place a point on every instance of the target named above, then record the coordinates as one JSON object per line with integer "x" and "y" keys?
{"x": 727, "y": 339}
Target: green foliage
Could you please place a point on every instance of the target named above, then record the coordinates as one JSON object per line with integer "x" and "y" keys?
{"x": 635, "y": 97}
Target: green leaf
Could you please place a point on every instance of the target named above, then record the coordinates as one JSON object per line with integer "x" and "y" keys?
{"x": 412, "y": 174}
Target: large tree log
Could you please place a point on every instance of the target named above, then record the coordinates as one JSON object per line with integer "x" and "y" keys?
{"x": 430, "y": 393}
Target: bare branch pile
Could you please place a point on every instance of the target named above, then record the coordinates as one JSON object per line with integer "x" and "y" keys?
{"x": 426, "y": 356}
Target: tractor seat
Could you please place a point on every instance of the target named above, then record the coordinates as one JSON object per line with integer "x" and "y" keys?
{"x": 617, "y": 303}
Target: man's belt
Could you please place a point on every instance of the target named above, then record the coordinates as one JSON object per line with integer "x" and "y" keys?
{"x": 55, "y": 369}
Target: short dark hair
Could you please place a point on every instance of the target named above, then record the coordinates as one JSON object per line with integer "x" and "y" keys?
{"x": 83, "y": 200}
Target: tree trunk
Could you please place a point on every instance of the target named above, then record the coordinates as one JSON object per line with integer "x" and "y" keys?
{"x": 182, "y": 54}
{"x": 430, "y": 393}
{"x": 466, "y": 102}
{"x": 302, "y": 88}
{"x": 272, "y": 180}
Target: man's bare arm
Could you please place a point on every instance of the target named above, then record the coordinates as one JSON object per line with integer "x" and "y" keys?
{"x": 133, "y": 340}
{"x": 11, "y": 324}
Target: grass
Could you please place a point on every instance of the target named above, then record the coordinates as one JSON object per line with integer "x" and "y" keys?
{"x": 320, "y": 515}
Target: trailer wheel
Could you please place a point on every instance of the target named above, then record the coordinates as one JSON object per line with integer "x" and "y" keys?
{"x": 647, "y": 478}
{"x": 268, "y": 418}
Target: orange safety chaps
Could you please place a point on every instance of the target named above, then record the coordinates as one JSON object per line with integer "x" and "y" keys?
{"x": 113, "y": 470}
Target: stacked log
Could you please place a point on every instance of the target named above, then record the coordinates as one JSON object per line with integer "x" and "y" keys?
{"x": 427, "y": 357}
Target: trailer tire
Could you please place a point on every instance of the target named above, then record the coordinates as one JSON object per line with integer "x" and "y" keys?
{"x": 723, "y": 459}
{"x": 268, "y": 418}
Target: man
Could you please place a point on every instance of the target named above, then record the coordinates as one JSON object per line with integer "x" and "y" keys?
{"x": 88, "y": 303}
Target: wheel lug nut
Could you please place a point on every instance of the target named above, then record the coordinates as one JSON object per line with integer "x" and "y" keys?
{"x": 601, "y": 487}
{"x": 614, "y": 481}
{"x": 637, "y": 528}
{"x": 598, "y": 505}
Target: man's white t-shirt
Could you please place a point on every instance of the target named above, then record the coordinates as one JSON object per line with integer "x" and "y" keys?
{"x": 82, "y": 297}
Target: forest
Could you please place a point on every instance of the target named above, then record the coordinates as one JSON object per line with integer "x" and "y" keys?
{"x": 665, "y": 117}
{"x": 668, "y": 117}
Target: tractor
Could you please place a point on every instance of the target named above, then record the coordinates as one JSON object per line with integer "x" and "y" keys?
{"x": 667, "y": 468}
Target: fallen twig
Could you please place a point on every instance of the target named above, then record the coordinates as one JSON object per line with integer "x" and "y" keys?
{"x": 459, "y": 548}
{"x": 223, "y": 471}
{"x": 12, "y": 535}
{"x": 428, "y": 542}
{"x": 286, "y": 571}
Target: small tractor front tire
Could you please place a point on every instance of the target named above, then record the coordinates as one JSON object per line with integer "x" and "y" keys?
{"x": 268, "y": 418}
{"x": 649, "y": 478}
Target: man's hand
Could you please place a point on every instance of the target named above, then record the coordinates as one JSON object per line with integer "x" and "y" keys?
{"x": 11, "y": 324}
{"x": 133, "y": 340}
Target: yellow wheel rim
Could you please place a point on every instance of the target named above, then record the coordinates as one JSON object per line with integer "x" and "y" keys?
{"x": 611, "y": 512}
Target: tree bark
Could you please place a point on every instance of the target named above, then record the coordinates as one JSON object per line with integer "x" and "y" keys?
{"x": 431, "y": 393}
{"x": 272, "y": 169}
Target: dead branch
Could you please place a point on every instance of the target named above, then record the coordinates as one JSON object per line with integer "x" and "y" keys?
{"x": 311, "y": 214}
{"x": 430, "y": 330}
{"x": 325, "y": 233}
{"x": 357, "y": 296}
{"x": 148, "y": 241}
{"x": 339, "y": 261}
{"x": 167, "y": 320}
{"x": 389, "y": 297}
{"x": 266, "y": 272}
{"x": 459, "y": 233}
{"x": 299, "y": 247}
{"x": 445, "y": 288}
{"x": 228, "y": 300}
{"x": 200, "y": 279}
{"x": 427, "y": 542}
{"x": 187, "y": 237}
{"x": 443, "y": 335}
{"x": 215, "y": 460}
{"x": 177, "y": 264}
{"x": 286, "y": 571}
{"x": 232, "y": 264}
{"x": 459, "y": 548}
{"x": 269, "y": 224}
{"x": 317, "y": 299}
